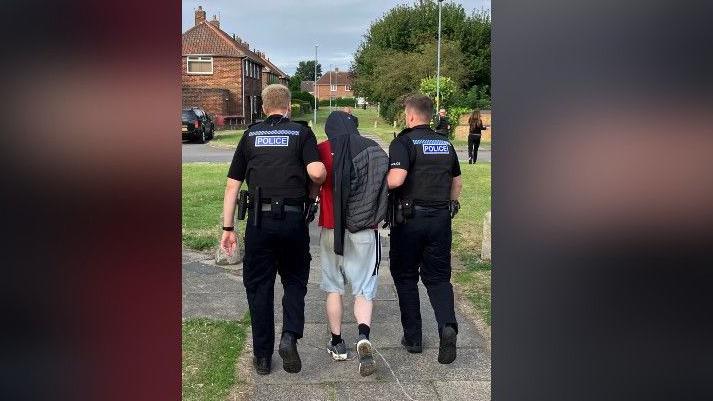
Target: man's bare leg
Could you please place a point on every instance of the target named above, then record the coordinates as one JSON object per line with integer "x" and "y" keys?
{"x": 362, "y": 310}
{"x": 334, "y": 312}
{"x": 336, "y": 347}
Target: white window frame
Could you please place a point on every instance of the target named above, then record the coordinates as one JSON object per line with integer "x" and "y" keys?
{"x": 198, "y": 58}
{"x": 333, "y": 88}
{"x": 348, "y": 88}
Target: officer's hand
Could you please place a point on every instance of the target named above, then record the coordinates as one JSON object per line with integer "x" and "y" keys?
{"x": 454, "y": 207}
{"x": 228, "y": 242}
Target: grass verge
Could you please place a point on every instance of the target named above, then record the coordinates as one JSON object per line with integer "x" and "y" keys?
{"x": 203, "y": 186}
{"x": 474, "y": 279}
{"x": 211, "y": 349}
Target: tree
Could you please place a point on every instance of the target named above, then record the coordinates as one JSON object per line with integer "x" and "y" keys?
{"x": 304, "y": 72}
{"x": 447, "y": 90}
{"x": 401, "y": 46}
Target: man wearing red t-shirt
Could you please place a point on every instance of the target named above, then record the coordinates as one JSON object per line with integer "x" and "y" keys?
{"x": 361, "y": 253}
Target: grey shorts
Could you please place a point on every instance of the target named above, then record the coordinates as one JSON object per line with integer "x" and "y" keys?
{"x": 359, "y": 266}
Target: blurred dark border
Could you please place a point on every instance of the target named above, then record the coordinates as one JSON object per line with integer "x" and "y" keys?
{"x": 602, "y": 200}
{"x": 91, "y": 166}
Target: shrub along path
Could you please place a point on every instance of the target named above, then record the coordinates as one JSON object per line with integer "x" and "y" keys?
{"x": 213, "y": 292}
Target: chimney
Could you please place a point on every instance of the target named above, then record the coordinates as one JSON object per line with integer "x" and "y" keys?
{"x": 200, "y": 15}
{"x": 215, "y": 22}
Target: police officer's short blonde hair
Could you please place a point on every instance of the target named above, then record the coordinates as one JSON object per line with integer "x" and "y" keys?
{"x": 276, "y": 97}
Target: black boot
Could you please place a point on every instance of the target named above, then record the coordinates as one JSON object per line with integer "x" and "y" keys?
{"x": 447, "y": 348}
{"x": 262, "y": 365}
{"x": 288, "y": 352}
{"x": 415, "y": 348}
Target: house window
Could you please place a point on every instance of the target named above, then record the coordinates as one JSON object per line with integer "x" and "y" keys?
{"x": 348, "y": 88}
{"x": 199, "y": 65}
{"x": 333, "y": 88}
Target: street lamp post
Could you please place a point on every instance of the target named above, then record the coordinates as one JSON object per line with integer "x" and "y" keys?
{"x": 330, "y": 87}
{"x": 314, "y": 87}
{"x": 438, "y": 59}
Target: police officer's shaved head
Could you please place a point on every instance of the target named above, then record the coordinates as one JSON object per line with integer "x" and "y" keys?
{"x": 419, "y": 109}
{"x": 275, "y": 99}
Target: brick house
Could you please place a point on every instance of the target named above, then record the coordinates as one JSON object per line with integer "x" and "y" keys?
{"x": 221, "y": 74}
{"x": 271, "y": 74}
{"x": 334, "y": 84}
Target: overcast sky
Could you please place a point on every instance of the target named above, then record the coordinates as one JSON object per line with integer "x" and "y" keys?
{"x": 286, "y": 30}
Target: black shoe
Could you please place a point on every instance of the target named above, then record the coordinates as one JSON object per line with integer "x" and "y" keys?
{"x": 412, "y": 348}
{"x": 366, "y": 356}
{"x": 288, "y": 352}
{"x": 262, "y": 365}
{"x": 447, "y": 349}
{"x": 470, "y": 161}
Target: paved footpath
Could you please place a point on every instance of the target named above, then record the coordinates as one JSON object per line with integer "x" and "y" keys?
{"x": 216, "y": 292}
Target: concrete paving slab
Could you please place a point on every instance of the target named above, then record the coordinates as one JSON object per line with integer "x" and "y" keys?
{"x": 463, "y": 390}
{"x": 385, "y": 391}
{"x": 472, "y": 364}
{"x": 295, "y": 392}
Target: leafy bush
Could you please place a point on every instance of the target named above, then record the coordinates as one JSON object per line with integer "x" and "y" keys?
{"x": 454, "y": 114}
{"x": 447, "y": 89}
{"x": 303, "y": 96}
{"x": 296, "y": 110}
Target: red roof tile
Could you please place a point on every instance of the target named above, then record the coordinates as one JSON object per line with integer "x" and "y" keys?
{"x": 337, "y": 78}
{"x": 206, "y": 38}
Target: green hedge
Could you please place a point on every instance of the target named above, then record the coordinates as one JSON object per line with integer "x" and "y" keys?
{"x": 339, "y": 102}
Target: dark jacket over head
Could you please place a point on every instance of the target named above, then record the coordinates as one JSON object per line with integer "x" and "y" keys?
{"x": 360, "y": 167}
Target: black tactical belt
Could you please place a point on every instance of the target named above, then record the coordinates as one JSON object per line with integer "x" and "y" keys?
{"x": 266, "y": 207}
{"x": 429, "y": 208}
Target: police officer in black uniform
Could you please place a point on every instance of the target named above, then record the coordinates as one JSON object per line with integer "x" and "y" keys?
{"x": 278, "y": 158}
{"x": 424, "y": 177}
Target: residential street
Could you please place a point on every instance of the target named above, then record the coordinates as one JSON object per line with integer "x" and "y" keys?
{"x": 215, "y": 292}
{"x": 195, "y": 152}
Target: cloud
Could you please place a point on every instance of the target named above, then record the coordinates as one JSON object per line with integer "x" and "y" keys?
{"x": 286, "y": 30}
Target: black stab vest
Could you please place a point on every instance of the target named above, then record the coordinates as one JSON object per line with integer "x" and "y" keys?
{"x": 429, "y": 177}
{"x": 274, "y": 159}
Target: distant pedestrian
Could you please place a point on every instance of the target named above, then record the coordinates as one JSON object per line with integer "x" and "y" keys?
{"x": 443, "y": 126}
{"x": 475, "y": 126}
{"x": 348, "y": 110}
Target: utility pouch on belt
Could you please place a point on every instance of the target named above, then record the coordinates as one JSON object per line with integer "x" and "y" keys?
{"x": 277, "y": 209}
{"x": 242, "y": 204}
{"x": 257, "y": 206}
{"x": 407, "y": 208}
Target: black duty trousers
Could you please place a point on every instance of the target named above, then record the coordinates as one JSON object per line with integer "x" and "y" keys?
{"x": 424, "y": 242}
{"x": 277, "y": 246}
{"x": 473, "y": 145}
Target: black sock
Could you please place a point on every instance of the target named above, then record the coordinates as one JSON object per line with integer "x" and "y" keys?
{"x": 364, "y": 329}
{"x": 336, "y": 339}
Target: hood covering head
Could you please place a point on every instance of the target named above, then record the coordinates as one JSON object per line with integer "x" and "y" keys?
{"x": 340, "y": 127}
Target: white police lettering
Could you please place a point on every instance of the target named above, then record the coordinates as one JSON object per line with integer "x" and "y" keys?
{"x": 272, "y": 140}
{"x": 435, "y": 149}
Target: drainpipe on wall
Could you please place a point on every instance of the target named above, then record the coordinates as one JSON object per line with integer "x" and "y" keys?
{"x": 242, "y": 81}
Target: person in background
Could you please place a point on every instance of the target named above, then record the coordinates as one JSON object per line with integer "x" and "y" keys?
{"x": 475, "y": 126}
{"x": 348, "y": 110}
{"x": 443, "y": 126}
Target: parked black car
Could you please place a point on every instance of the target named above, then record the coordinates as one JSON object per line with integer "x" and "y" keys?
{"x": 196, "y": 125}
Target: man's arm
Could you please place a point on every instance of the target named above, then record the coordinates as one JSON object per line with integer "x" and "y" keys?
{"x": 456, "y": 187}
{"x": 230, "y": 199}
{"x": 399, "y": 163}
{"x": 317, "y": 173}
{"x": 396, "y": 177}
